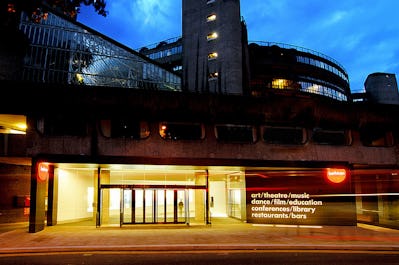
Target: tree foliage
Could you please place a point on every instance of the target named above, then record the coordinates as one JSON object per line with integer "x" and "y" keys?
{"x": 37, "y": 9}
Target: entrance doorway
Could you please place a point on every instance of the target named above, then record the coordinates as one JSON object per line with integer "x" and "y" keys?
{"x": 154, "y": 206}
{"x": 135, "y": 204}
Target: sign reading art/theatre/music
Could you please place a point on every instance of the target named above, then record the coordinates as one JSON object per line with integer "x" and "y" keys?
{"x": 283, "y": 205}
{"x": 299, "y": 198}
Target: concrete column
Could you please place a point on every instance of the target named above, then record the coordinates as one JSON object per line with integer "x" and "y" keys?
{"x": 37, "y": 203}
{"x": 52, "y": 198}
{"x": 96, "y": 195}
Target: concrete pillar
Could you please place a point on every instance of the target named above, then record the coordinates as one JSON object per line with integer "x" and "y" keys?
{"x": 96, "y": 195}
{"x": 38, "y": 199}
{"x": 52, "y": 197}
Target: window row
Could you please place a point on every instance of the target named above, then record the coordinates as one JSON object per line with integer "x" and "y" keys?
{"x": 166, "y": 53}
{"x": 315, "y": 88}
{"x": 306, "y": 84}
{"x": 323, "y": 65}
{"x": 370, "y": 135}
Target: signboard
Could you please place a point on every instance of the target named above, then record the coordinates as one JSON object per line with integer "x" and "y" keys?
{"x": 300, "y": 198}
{"x": 283, "y": 205}
{"x": 43, "y": 171}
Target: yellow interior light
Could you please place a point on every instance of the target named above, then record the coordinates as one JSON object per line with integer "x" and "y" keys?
{"x": 212, "y": 36}
{"x": 212, "y": 55}
{"x": 279, "y": 83}
{"x": 211, "y": 18}
{"x": 79, "y": 77}
{"x": 22, "y": 126}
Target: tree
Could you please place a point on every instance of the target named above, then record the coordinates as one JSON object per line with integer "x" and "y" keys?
{"x": 37, "y": 9}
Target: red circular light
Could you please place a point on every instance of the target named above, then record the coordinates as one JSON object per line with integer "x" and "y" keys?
{"x": 336, "y": 175}
{"x": 43, "y": 171}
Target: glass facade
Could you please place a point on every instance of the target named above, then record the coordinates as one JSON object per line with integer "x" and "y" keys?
{"x": 64, "y": 52}
{"x": 146, "y": 194}
{"x": 122, "y": 194}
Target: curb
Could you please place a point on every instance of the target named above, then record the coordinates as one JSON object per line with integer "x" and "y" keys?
{"x": 199, "y": 247}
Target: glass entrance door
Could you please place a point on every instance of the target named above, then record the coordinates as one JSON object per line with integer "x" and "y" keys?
{"x": 153, "y": 206}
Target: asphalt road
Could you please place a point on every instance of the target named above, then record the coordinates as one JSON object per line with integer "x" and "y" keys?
{"x": 206, "y": 257}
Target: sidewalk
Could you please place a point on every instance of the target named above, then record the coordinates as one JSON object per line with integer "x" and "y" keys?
{"x": 63, "y": 238}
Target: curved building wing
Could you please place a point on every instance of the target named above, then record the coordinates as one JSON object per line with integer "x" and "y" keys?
{"x": 282, "y": 66}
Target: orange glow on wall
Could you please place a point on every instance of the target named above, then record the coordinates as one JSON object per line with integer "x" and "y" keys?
{"x": 43, "y": 171}
{"x": 336, "y": 175}
{"x": 11, "y": 8}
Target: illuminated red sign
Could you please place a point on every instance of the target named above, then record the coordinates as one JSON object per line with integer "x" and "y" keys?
{"x": 43, "y": 171}
{"x": 336, "y": 175}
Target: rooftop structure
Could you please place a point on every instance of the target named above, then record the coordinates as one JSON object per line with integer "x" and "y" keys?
{"x": 382, "y": 88}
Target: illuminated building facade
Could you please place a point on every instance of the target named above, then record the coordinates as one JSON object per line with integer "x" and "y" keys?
{"x": 122, "y": 143}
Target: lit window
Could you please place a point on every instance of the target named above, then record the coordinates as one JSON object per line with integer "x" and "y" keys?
{"x": 279, "y": 83}
{"x": 212, "y": 36}
{"x": 12, "y": 124}
{"x": 211, "y": 18}
{"x": 212, "y": 56}
{"x": 181, "y": 131}
{"x": 213, "y": 76}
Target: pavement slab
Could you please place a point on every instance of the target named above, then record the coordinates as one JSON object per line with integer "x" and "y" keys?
{"x": 242, "y": 236}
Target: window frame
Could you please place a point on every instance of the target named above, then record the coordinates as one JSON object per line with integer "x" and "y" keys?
{"x": 212, "y": 36}
{"x": 211, "y": 18}
{"x": 218, "y": 133}
{"x": 180, "y": 137}
{"x": 282, "y": 141}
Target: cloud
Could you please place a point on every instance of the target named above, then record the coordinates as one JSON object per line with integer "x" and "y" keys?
{"x": 150, "y": 12}
{"x": 152, "y": 20}
{"x": 335, "y": 18}
{"x": 137, "y": 23}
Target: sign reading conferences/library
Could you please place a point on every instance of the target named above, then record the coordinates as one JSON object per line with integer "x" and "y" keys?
{"x": 300, "y": 198}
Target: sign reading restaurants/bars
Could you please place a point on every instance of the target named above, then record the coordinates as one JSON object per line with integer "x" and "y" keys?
{"x": 300, "y": 198}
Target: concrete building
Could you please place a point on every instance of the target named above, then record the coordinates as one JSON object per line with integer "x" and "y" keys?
{"x": 117, "y": 141}
{"x": 213, "y": 39}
